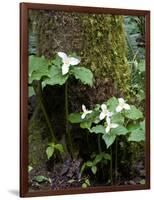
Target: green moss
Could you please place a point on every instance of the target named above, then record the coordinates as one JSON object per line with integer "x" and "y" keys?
{"x": 37, "y": 142}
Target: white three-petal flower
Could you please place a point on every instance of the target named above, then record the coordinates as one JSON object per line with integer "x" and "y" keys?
{"x": 104, "y": 113}
{"x": 67, "y": 62}
{"x": 110, "y": 125}
{"x": 85, "y": 112}
{"x": 122, "y": 105}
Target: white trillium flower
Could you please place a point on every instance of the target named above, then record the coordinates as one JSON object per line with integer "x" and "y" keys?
{"x": 85, "y": 112}
{"x": 110, "y": 125}
{"x": 67, "y": 62}
{"x": 122, "y": 105}
{"x": 105, "y": 112}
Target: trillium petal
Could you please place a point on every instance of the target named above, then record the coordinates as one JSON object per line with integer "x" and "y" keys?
{"x": 89, "y": 111}
{"x": 102, "y": 116}
{"x": 73, "y": 61}
{"x": 107, "y": 129}
{"x": 62, "y": 55}
{"x": 119, "y": 108}
{"x": 65, "y": 69}
{"x": 83, "y": 115}
{"x": 103, "y": 107}
{"x": 84, "y": 108}
{"x": 108, "y": 120}
{"x": 126, "y": 106}
{"x": 121, "y": 100}
{"x": 114, "y": 125}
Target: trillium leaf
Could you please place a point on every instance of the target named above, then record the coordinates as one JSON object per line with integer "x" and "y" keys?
{"x": 83, "y": 74}
{"x": 137, "y": 135}
{"x": 38, "y": 74}
{"x": 31, "y": 91}
{"x": 132, "y": 127}
{"x": 49, "y": 152}
{"x": 97, "y": 129}
{"x": 117, "y": 118}
{"x": 120, "y": 130}
{"x": 109, "y": 139}
{"x": 75, "y": 118}
{"x": 112, "y": 103}
{"x": 36, "y": 63}
{"x": 56, "y": 77}
{"x": 133, "y": 113}
{"x": 85, "y": 124}
{"x": 94, "y": 169}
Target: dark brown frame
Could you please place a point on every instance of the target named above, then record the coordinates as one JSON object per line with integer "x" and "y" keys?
{"x": 24, "y": 97}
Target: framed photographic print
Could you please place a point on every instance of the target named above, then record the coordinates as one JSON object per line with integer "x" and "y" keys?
{"x": 85, "y": 99}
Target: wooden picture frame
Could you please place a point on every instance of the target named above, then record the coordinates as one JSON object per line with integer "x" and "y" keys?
{"x": 24, "y": 9}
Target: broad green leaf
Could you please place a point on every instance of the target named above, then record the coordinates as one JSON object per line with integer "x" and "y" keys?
{"x": 49, "y": 152}
{"x": 98, "y": 159}
{"x": 31, "y": 91}
{"x": 38, "y": 74}
{"x": 84, "y": 185}
{"x": 132, "y": 127}
{"x": 106, "y": 156}
{"x": 36, "y": 63}
{"x": 109, "y": 138}
{"x": 112, "y": 104}
{"x": 133, "y": 113}
{"x": 75, "y": 118}
{"x": 142, "y": 125}
{"x": 59, "y": 147}
{"x": 83, "y": 74}
{"x": 57, "y": 61}
{"x": 97, "y": 129}
{"x": 137, "y": 135}
{"x": 89, "y": 164}
{"x": 85, "y": 124}
{"x": 94, "y": 169}
{"x": 56, "y": 77}
{"x": 41, "y": 179}
{"x": 120, "y": 130}
{"x": 117, "y": 118}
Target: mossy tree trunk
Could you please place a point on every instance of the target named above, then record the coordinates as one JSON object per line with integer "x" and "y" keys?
{"x": 100, "y": 42}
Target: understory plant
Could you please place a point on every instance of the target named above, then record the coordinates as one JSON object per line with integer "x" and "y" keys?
{"x": 56, "y": 71}
{"x": 109, "y": 121}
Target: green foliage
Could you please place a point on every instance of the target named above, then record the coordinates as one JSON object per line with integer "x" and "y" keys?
{"x": 133, "y": 113}
{"x": 97, "y": 129}
{"x": 56, "y": 77}
{"x": 51, "y": 149}
{"x": 37, "y": 63}
{"x": 117, "y": 118}
{"x": 93, "y": 164}
{"x": 83, "y": 74}
{"x": 41, "y": 179}
{"x": 137, "y": 132}
{"x": 86, "y": 183}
